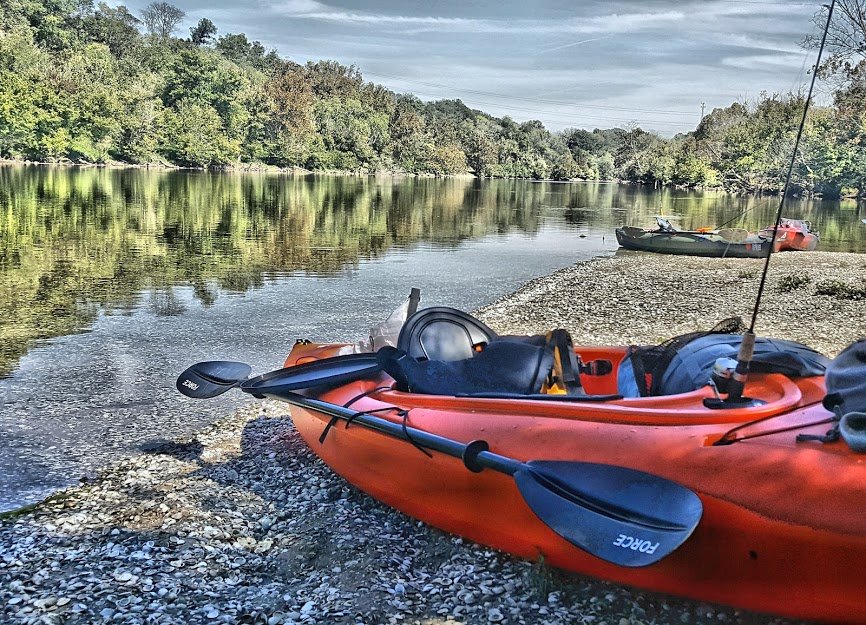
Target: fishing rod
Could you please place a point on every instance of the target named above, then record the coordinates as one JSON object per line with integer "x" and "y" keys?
{"x": 747, "y": 347}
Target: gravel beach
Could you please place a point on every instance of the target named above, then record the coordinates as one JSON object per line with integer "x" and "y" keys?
{"x": 243, "y": 524}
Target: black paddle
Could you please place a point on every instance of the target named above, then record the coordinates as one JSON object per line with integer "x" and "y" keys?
{"x": 214, "y": 377}
{"x": 621, "y": 515}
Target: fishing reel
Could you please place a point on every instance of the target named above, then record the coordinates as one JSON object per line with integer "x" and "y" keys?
{"x": 723, "y": 372}
{"x": 725, "y": 380}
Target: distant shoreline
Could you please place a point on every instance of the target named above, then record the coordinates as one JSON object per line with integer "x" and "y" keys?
{"x": 301, "y": 171}
{"x": 248, "y": 168}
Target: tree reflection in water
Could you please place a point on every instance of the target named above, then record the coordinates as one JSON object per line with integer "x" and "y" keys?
{"x": 77, "y": 241}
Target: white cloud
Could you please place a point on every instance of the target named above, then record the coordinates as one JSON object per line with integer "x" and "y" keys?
{"x": 380, "y": 19}
{"x": 611, "y": 23}
{"x": 568, "y": 45}
{"x": 576, "y": 64}
{"x": 766, "y": 60}
{"x": 299, "y": 7}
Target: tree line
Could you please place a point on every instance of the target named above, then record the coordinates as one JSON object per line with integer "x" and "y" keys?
{"x": 87, "y": 82}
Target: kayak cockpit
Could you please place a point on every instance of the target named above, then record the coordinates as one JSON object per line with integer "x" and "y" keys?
{"x": 780, "y": 394}
{"x": 445, "y": 359}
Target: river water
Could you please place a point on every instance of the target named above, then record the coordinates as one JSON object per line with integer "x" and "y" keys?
{"x": 113, "y": 281}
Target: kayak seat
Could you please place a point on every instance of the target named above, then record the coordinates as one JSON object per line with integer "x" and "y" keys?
{"x": 442, "y": 333}
{"x": 446, "y": 351}
{"x": 504, "y": 367}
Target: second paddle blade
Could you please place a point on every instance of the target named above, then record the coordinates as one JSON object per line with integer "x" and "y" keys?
{"x": 627, "y": 517}
{"x": 204, "y": 380}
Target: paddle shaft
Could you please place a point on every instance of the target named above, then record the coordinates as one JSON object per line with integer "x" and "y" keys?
{"x": 624, "y": 516}
{"x": 621, "y": 515}
{"x": 433, "y": 442}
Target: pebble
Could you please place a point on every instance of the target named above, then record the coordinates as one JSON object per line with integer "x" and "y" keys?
{"x": 254, "y": 529}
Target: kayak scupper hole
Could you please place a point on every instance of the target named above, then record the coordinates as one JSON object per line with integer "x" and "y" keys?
{"x": 753, "y": 554}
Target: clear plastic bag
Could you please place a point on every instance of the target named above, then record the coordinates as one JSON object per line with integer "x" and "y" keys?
{"x": 386, "y": 332}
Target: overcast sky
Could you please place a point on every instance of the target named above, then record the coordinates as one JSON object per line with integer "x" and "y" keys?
{"x": 579, "y": 63}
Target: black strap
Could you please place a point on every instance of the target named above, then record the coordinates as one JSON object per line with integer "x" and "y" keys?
{"x": 638, "y": 368}
{"x": 728, "y": 437}
{"x": 831, "y": 436}
{"x": 335, "y": 420}
{"x": 833, "y": 433}
{"x": 324, "y": 434}
{"x": 401, "y": 412}
{"x": 564, "y": 353}
{"x": 405, "y": 415}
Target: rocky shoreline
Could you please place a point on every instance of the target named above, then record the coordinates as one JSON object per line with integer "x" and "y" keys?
{"x": 243, "y": 524}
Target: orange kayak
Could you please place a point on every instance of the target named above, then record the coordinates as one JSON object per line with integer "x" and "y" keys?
{"x": 793, "y": 235}
{"x": 783, "y": 530}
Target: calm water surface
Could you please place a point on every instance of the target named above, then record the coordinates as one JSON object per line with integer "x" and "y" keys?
{"x": 112, "y": 281}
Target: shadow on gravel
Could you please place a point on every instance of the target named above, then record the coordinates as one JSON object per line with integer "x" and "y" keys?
{"x": 244, "y": 524}
{"x": 333, "y": 554}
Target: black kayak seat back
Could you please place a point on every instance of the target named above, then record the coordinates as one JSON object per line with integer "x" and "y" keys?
{"x": 445, "y": 351}
{"x": 504, "y": 367}
{"x": 444, "y": 334}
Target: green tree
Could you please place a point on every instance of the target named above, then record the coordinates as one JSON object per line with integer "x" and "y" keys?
{"x": 409, "y": 148}
{"x": 203, "y": 32}
{"x": 240, "y": 50}
{"x": 198, "y": 75}
{"x": 195, "y": 136}
{"x": 286, "y": 124}
{"x": 849, "y": 135}
{"x": 446, "y": 159}
{"x": 55, "y": 24}
{"x": 117, "y": 28}
{"x": 479, "y": 144}
{"x": 330, "y": 79}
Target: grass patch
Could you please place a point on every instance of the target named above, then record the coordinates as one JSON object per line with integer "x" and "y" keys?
{"x": 793, "y": 282}
{"x": 24, "y": 510}
{"x": 543, "y": 579}
{"x": 840, "y": 290}
{"x": 747, "y": 274}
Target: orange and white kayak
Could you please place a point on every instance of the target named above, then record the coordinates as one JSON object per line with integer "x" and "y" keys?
{"x": 783, "y": 528}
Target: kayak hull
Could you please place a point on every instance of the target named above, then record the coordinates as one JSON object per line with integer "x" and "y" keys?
{"x": 691, "y": 244}
{"x": 781, "y": 530}
{"x": 792, "y": 235}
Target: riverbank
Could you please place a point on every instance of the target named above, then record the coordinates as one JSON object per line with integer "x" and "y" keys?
{"x": 817, "y": 298}
{"x": 243, "y": 524}
{"x": 253, "y": 167}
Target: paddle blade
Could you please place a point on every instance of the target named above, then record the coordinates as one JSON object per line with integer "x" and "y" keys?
{"x": 327, "y": 372}
{"x": 621, "y": 515}
{"x": 208, "y": 379}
